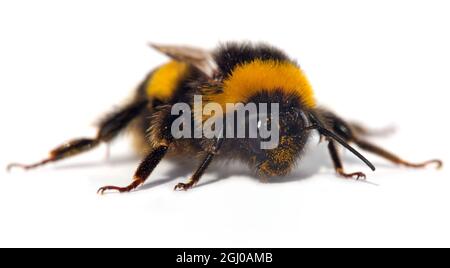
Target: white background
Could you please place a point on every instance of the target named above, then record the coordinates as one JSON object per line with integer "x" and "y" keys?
{"x": 64, "y": 63}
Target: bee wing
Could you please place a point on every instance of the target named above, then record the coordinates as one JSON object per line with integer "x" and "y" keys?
{"x": 199, "y": 58}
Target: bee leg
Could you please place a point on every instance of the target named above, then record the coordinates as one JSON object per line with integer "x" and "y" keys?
{"x": 197, "y": 175}
{"x": 66, "y": 150}
{"x": 202, "y": 168}
{"x": 365, "y": 145}
{"x": 338, "y": 163}
{"x": 143, "y": 172}
{"x": 109, "y": 128}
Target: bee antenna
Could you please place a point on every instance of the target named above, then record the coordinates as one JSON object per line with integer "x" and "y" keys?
{"x": 335, "y": 137}
{"x": 322, "y": 130}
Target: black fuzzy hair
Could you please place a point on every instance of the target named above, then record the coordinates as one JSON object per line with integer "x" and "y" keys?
{"x": 229, "y": 55}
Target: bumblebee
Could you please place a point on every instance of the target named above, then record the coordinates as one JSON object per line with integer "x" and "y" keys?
{"x": 232, "y": 73}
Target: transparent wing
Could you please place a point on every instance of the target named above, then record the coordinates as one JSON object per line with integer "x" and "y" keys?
{"x": 199, "y": 58}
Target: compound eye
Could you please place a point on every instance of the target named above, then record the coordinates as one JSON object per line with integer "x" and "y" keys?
{"x": 342, "y": 130}
{"x": 294, "y": 123}
{"x": 305, "y": 119}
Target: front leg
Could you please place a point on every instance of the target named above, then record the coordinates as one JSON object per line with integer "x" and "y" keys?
{"x": 202, "y": 168}
{"x": 197, "y": 175}
{"x": 144, "y": 170}
{"x": 338, "y": 164}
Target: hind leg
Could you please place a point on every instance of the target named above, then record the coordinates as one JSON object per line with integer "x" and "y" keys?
{"x": 355, "y": 134}
{"x": 363, "y": 131}
{"x": 109, "y": 128}
{"x": 365, "y": 145}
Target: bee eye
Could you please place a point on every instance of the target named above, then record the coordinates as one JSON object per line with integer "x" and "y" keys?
{"x": 294, "y": 122}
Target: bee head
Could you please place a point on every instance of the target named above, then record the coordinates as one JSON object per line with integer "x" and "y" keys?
{"x": 281, "y": 134}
